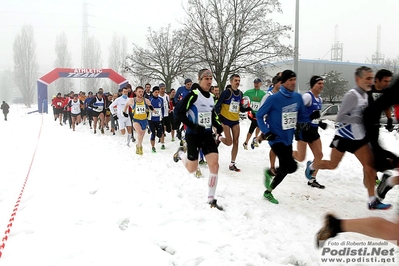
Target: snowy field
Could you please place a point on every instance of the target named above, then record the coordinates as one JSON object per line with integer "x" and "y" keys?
{"x": 90, "y": 200}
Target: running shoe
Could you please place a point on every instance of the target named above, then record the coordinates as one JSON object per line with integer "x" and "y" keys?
{"x": 269, "y": 196}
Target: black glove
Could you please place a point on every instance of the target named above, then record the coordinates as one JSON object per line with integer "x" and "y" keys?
{"x": 322, "y": 125}
{"x": 115, "y": 117}
{"x": 151, "y": 107}
{"x": 125, "y": 114}
{"x": 268, "y": 136}
{"x": 389, "y": 125}
{"x": 247, "y": 109}
{"x": 315, "y": 115}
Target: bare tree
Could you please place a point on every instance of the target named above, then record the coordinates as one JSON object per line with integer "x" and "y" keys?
{"x": 166, "y": 59}
{"x": 7, "y": 85}
{"x": 63, "y": 60}
{"x": 117, "y": 57}
{"x": 93, "y": 61}
{"x": 334, "y": 87}
{"x": 233, "y": 36}
{"x": 25, "y": 64}
{"x": 392, "y": 65}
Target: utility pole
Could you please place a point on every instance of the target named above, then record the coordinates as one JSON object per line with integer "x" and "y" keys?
{"x": 296, "y": 45}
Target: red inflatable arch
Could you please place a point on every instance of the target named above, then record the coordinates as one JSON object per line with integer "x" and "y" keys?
{"x": 43, "y": 82}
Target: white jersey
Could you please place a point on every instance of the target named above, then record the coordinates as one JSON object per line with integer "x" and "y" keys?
{"x": 75, "y": 107}
{"x": 118, "y": 106}
{"x": 165, "y": 98}
{"x": 269, "y": 93}
{"x": 354, "y": 131}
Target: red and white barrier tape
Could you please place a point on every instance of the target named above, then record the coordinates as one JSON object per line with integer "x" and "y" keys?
{"x": 14, "y": 211}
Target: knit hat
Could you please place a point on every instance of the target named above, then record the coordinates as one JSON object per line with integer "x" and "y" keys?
{"x": 314, "y": 80}
{"x": 161, "y": 85}
{"x": 188, "y": 81}
{"x": 286, "y": 75}
{"x": 155, "y": 88}
{"x": 257, "y": 80}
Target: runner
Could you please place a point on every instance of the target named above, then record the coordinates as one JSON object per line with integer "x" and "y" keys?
{"x": 124, "y": 123}
{"x": 97, "y": 104}
{"x": 166, "y": 119}
{"x": 140, "y": 107}
{"x": 59, "y": 103}
{"x": 75, "y": 106}
{"x": 114, "y": 126}
{"x": 197, "y": 113}
{"x": 155, "y": 118}
{"x": 82, "y": 97}
{"x": 351, "y": 136}
{"x": 255, "y": 96}
{"x": 283, "y": 110}
{"x": 171, "y": 116}
{"x": 89, "y": 110}
{"x": 306, "y": 134}
{"x": 276, "y": 83}
{"x": 228, "y": 108}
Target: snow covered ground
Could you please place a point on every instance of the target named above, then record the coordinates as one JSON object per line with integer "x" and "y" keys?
{"x": 90, "y": 200}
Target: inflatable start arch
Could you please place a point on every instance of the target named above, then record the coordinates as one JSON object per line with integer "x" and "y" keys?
{"x": 43, "y": 82}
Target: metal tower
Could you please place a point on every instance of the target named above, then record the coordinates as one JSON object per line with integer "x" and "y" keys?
{"x": 337, "y": 48}
{"x": 378, "y": 58}
{"x": 85, "y": 36}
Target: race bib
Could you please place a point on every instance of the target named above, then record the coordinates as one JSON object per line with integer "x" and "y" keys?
{"x": 140, "y": 109}
{"x": 100, "y": 108}
{"x": 234, "y": 107}
{"x": 288, "y": 120}
{"x": 255, "y": 106}
{"x": 156, "y": 112}
{"x": 59, "y": 104}
{"x": 205, "y": 119}
{"x": 76, "y": 108}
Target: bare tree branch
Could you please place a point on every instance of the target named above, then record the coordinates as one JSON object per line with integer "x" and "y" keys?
{"x": 63, "y": 60}
{"x": 166, "y": 59}
{"x": 25, "y": 64}
{"x": 231, "y": 36}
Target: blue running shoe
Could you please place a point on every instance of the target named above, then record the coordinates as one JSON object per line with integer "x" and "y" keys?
{"x": 308, "y": 171}
{"x": 378, "y": 205}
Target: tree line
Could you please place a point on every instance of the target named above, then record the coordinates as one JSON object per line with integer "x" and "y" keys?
{"x": 225, "y": 36}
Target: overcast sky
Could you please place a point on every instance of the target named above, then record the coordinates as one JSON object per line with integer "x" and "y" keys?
{"x": 357, "y": 22}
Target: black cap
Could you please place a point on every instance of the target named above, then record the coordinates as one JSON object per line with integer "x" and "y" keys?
{"x": 314, "y": 80}
{"x": 286, "y": 75}
{"x": 155, "y": 88}
{"x": 276, "y": 79}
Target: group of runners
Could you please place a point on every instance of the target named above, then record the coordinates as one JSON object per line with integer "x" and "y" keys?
{"x": 147, "y": 109}
{"x": 277, "y": 116}
{"x": 283, "y": 114}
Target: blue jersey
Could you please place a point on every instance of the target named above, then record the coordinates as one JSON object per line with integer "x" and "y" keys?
{"x": 180, "y": 94}
{"x": 313, "y": 105}
{"x": 284, "y": 110}
{"x": 87, "y": 102}
{"x": 159, "y": 111}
